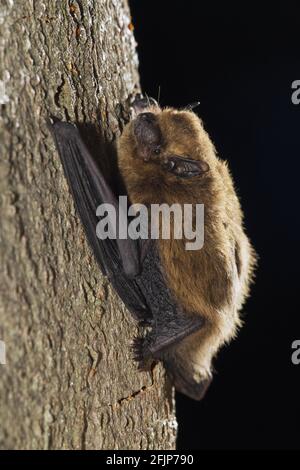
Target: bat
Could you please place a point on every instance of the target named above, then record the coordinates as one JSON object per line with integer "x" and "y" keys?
{"x": 188, "y": 300}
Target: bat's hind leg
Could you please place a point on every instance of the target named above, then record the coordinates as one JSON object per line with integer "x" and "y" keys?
{"x": 143, "y": 317}
{"x": 165, "y": 334}
{"x": 169, "y": 324}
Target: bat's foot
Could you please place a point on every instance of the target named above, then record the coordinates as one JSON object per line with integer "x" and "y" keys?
{"x": 141, "y": 354}
{"x": 141, "y": 103}
{"x": 143, "y": 317}
{"x": 146, "y": 322}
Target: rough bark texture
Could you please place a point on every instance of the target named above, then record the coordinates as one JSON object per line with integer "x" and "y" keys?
{"x": 69, "y": 381}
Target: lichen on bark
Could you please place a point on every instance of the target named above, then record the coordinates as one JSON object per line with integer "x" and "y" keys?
{"x": 69, "y": 381}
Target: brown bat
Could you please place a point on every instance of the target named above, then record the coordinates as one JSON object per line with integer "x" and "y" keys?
{"x": 190, "y": 299}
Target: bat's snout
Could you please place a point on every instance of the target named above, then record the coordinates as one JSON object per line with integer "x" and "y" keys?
{"x": 148, "y": 135}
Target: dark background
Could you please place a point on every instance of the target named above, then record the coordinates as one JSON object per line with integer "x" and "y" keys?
{"x": 240, "y": 65}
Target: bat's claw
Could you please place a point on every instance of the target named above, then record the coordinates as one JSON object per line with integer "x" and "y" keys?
{"x": 141, "y": 103}
{"x": 141, "y": 354}
{"x": 146, "y": 322}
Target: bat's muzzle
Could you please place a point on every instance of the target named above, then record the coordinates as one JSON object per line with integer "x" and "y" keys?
{"x": 147, "y": 134}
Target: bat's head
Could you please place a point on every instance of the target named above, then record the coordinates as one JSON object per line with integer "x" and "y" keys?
{"x": 175, "y": 140}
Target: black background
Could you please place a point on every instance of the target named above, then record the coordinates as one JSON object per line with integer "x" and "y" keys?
{"x": 240, "y": 65}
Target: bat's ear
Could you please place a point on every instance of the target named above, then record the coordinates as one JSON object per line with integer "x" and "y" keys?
{"x": 185, "y": 167}
{"x": 203, "y": 167}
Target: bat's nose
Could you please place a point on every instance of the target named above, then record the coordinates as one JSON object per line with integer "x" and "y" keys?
{"x": 146, "y": 129}
{"x": 147, "y": 134}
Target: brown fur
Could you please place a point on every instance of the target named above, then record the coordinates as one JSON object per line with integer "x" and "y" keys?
{"x": 213, "y": 281}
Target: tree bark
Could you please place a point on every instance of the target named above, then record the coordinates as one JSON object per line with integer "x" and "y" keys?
{"x": 69, "y": 381}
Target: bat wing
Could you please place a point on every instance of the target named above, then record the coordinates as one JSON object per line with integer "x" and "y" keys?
{"x": 119, "y": 259}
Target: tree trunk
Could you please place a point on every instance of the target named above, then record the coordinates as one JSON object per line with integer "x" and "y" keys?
{"x": 69, "y": 381}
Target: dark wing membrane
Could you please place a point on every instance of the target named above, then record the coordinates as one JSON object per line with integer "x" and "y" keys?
{"x": 118, "y": 259}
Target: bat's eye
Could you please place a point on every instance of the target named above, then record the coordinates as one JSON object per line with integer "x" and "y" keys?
{"x": 157, "y": 150}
